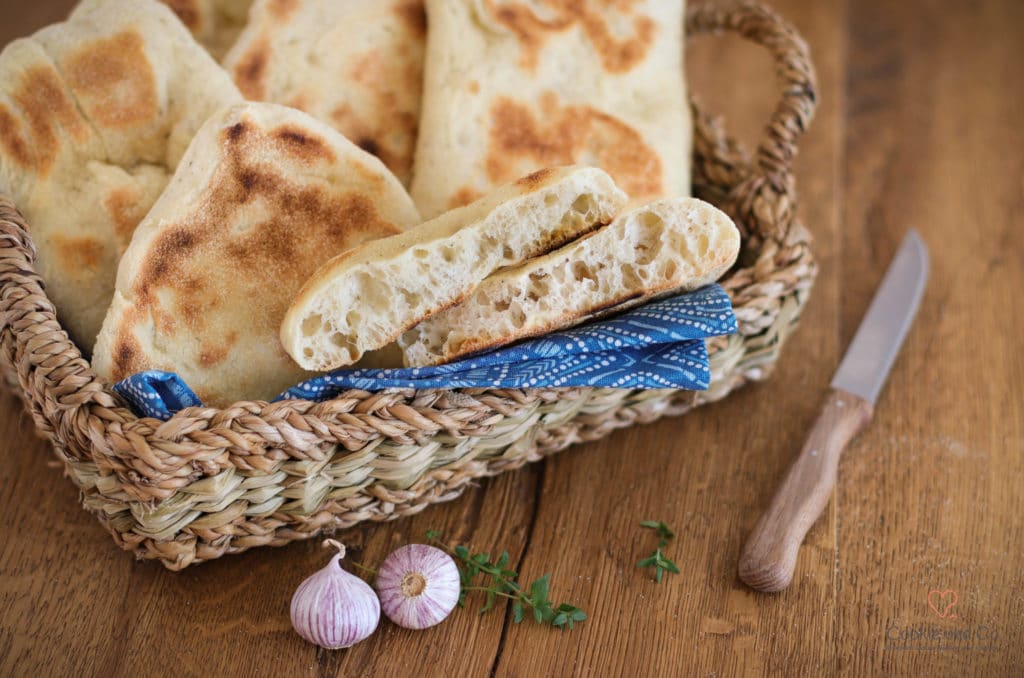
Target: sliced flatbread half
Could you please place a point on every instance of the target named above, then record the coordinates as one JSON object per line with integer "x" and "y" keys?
{"x": 95, "y": 114}
{"x": 355, "y": 64}
{"x": 668, "y": 246}
{"x": 514, "y": 85}
{"x": 365, "y": 298}
{"x": 264, "y": 196}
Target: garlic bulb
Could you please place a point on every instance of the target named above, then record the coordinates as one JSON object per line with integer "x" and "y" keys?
{"x": 335, "y": 609}
{"x": 418, "y": 586}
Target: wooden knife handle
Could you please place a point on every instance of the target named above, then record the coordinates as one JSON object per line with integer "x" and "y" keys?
{"x": 768, "y": 559}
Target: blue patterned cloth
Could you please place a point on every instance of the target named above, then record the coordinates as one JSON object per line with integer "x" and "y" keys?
{"x": 658, "y": 345}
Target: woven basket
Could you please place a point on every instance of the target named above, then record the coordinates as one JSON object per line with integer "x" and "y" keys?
{"x": 209, "y": 482}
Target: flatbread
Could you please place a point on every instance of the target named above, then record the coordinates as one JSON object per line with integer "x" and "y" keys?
{"x": 264, "y": 196}
{"x": 515, "y": 85}
{"x": 366, "y": 298}
{"x": 668, "y": 246}
{"x": 216, "y": 24}
{"x": 355, "y": 64}
{"x": 95, "y": 114}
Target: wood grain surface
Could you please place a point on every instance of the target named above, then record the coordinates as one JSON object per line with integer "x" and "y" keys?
{"x": 921, "y": 124}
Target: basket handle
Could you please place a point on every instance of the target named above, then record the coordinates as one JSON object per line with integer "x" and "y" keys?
{"x": 793, "y": 113}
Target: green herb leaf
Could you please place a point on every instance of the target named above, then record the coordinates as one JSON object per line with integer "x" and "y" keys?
{"x": 539, "y": 588}
{"x": 501, "y": 581}
{"x": 433, "y": 535}
{"x": 657, "y": 560}
{"x": 663, "y": 530}
{"x": 489, "y": 604}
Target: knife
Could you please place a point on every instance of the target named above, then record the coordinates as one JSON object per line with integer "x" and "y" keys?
{"x": 768, "y": 559}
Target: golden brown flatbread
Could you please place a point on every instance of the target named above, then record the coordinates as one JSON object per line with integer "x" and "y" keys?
{"x": 355, "y": 64}
{"x": 95, "y": 114}
{"x": 264, "y": 196}
{"x": 514, "y": 85}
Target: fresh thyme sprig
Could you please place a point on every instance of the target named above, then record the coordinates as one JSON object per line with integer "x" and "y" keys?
{"x": 502, "y": 583}
{"x": 657, "y": 560}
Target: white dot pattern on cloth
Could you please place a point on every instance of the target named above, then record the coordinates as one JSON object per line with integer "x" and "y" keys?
{"x": 658, "y": 345}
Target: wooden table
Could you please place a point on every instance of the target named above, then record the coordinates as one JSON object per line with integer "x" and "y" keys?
{"x": 921, "y": 124}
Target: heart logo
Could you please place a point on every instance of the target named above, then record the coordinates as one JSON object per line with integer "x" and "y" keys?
{"x": 937, "y": 600}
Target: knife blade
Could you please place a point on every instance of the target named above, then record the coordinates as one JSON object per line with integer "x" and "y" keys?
{"x": 873, "y": 350}
{"x": 768, "y": 559}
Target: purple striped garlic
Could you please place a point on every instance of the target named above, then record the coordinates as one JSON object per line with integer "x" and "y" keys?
{"x": 418, "y": 586}
{"x": 333, "y": 608}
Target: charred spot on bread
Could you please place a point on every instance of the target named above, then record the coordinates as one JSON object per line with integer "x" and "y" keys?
{"x": 535, "y": 179}
{"x": 369, "y": 144}
{"x": 114, "y": 80}
{"x": 530, "y": 30}
{"x": 236, "y": 132}
{"x": 123, "y": 206}
{"x": 169, "y": 250}
{"x": 12, "y": 139}
{"x": 414, "y": 16}
{"x": 617, "y": 54}
{"x": 212, "y": 354}
{"x": 303, "y": 145}
{"x": 248, "y": 180}
{"x": 46, "y": 109}
{"x": 180, "y": 240}
{"x": 250, "y": 71}
{"x": 126, "y": 355}
{"x": 75, "y": 252}
{"x": 521, "y": 138}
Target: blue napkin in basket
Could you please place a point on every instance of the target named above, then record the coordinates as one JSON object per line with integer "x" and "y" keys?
{"x": 658, "y": 345}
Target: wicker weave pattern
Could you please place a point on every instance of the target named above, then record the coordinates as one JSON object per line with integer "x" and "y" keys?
{"x": 210, "y": 482}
